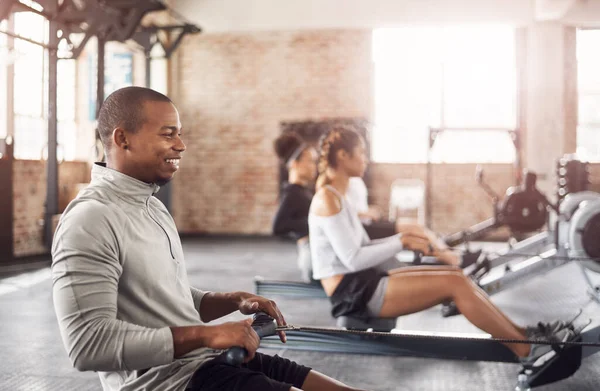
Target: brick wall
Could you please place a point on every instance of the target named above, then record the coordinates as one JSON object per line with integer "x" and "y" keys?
{"x": 232, "y": 93}
{"x": 29, "y": 197}
{"x": 457, "y": 201}
{"x": 595, "y": 177}
{"x": 234, "y": 90}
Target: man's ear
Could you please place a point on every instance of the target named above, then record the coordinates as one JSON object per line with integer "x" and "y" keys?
{"x": 119, "y": 138}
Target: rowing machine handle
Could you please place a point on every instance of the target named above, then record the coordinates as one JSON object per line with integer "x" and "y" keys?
{"x": 264, "y": 326}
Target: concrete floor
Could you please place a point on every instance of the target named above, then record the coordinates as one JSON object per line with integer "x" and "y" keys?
{"x": 32, "y": 356}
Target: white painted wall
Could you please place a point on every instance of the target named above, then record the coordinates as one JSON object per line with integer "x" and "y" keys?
{"x": 289, "y": 15}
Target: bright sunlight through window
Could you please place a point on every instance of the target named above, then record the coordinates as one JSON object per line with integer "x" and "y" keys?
{"x": 588, "y": 91}
{"x": 31, "y": 94}
{"x": 29, "y": 88}
{"x": 453, "y": 77}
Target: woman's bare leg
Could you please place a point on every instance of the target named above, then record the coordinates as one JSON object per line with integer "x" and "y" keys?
{"x": 482, "y": 294}
{"x": 417, "y": 288}
{"x": 457, "y": 270}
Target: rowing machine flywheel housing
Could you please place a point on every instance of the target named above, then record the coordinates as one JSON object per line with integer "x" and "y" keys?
{"x": 524, "y": 207}
{"x": 583, "y": 232}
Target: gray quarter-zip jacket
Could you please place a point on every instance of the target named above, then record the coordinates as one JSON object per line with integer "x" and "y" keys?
{"x": 120, "y": 282}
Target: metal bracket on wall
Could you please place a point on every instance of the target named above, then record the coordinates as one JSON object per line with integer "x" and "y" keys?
{"x": 113, "y": 20}
{"x": 149, "y": 36}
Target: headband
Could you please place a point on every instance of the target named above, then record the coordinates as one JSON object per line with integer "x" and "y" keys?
{"x": 296, "y": 154}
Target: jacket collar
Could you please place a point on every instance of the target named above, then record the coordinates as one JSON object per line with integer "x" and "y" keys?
{"x": 124, "y": 185}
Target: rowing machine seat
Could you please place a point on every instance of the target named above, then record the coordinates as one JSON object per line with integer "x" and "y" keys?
{"x": 377, "y": 324}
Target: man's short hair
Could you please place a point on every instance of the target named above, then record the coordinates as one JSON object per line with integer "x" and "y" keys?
{"x": 125, "y": 108}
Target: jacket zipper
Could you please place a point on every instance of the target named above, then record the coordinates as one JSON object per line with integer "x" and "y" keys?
{"x": 161, "y": 227}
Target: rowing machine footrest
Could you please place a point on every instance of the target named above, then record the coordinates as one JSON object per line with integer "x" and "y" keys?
{"x": 561, "y": 366}
{"x": 377, "y": 324}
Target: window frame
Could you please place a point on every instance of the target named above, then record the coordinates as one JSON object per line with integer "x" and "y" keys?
{"x": 381, "y": 132}
{"x": 583, "y": 62}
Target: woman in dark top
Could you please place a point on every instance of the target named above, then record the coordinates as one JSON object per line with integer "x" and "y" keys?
{"x": 291, "y": 219}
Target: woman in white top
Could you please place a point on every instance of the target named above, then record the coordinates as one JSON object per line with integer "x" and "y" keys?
{"x": 348, "y": 263}
{"x": 377, "y": 227}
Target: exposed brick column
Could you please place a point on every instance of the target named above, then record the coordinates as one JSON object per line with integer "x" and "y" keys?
{"x": 551, "y": 99}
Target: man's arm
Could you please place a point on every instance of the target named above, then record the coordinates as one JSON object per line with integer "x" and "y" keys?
{"x": 222, "y": 336}
{"x": 215, "y": 305}
{"x": 85, "y": 273}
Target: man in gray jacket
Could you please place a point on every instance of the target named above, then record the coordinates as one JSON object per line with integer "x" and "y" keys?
{"x": 121, "y": 294}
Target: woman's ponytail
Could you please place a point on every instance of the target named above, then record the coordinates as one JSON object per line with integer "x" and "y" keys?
{"x": 323, "y": 163}
{"x": 338, "y": 138}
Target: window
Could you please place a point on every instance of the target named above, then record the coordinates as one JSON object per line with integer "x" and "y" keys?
{"x": 65, "y": 106}
{"x": 30, "y": 72}
{"x": 158, "y": 70}
{"x": 457, "y": 77}
{"x": 31, "y": 94}
{"x": 118, "y": 73}
{"x": 588, "y": 94}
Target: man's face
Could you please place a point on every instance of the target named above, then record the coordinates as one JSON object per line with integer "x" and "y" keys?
{"x": 154, "y": 151}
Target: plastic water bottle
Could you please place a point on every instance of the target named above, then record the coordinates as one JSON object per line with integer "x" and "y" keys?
{"x": 522, "y": 383}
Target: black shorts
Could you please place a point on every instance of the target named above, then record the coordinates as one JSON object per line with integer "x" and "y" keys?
{"x": 262, "y": 373}
{"x": 380, "y": 229}
{"x": 351, "y": 296}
